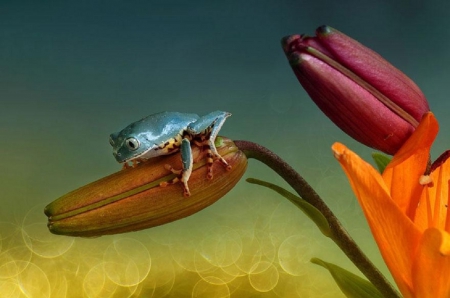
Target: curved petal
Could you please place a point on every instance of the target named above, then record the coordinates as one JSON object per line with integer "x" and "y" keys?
{"x": 403, "y": 172}
{"x": 431, "y": 268}
{"x": 432, "y": 210}
{"x": 397, "y": 237}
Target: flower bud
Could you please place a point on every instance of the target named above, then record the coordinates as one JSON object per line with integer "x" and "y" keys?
{"x": 132, "y": 199}
{"x": 363, "y": 94}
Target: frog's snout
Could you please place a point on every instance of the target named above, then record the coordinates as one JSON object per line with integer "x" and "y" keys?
{"x": 117, "y": 156}
{"x": 113, "y": 137}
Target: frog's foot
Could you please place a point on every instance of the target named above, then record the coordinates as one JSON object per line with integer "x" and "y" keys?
{"x": 177, "y": 179}
{"x": 134, "y": 163}
{"x": 211, "y": 155}
{"x": 174, "y": 171}
{"x": 223, "y": 162}
{"x": 210, "y": 160}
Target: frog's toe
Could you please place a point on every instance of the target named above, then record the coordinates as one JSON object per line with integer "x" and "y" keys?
{"x": 166, "y": 183}
{"x": 186, "y": 191}
{"x": 178, "y": 178}
{"x": 224, "y": 162}
{"x": 170, "y": 168}
{"x": 210, "y": 175}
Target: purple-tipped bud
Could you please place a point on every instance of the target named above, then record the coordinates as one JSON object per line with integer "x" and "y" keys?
{"x": 363, "y": 94}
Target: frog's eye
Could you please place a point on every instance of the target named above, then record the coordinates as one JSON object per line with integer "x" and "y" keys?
{"x": 132, "y": 143}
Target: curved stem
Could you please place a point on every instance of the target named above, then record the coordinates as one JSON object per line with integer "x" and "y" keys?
{"x": 339, "y": 235}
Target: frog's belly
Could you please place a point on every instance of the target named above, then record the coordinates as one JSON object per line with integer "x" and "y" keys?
{"x": 171, "y": 146}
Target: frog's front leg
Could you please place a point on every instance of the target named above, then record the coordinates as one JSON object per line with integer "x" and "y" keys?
{"x": 134, "y": 163}
{"x": 204, "y": 132}
{"x": 187, "y": 163}
{"x": 186, "y": 171}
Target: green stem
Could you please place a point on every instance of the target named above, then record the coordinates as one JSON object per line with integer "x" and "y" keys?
{"x": 339, "y": 235}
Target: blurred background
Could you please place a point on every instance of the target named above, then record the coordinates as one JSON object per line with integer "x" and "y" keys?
{"x": 72, "y": 72}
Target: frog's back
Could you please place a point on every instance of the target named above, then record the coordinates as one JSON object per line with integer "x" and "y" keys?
{"x": 160, "y": 127}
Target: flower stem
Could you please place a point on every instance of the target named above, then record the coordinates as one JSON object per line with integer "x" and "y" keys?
{"x": 339, "y": 235}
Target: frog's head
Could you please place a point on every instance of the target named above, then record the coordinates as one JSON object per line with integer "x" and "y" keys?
{"x": 129, "y": 144}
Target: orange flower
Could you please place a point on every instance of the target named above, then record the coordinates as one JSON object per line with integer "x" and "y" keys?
{"x": 407, "y": 214}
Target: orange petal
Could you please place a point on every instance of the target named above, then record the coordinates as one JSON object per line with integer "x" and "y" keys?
{"x": 431, "y": 268}
{"x": 395, "y": 234}
{"x": 432, "y": 210}
{"x": 403, "y": 172}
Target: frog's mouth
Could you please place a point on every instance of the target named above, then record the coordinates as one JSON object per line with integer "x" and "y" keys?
{"x": 137, "y": 158}
{"x": 169, "y": 147}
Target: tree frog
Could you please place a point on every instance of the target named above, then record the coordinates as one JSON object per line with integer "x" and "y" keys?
{"x": 166, "y": 133}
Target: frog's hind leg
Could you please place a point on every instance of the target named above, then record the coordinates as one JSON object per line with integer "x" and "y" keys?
{"x": 205, "y": 131}
{"x": 210, "y": 157}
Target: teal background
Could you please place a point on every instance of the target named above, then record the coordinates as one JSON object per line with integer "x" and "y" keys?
{"x": 72, "y": 72}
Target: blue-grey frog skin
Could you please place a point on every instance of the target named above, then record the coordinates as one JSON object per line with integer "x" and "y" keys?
{"x": 166, "y": 133}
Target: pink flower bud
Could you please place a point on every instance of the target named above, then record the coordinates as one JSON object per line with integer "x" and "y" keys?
{"x": 363, "y": 94}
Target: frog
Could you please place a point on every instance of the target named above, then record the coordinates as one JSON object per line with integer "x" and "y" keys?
{"x": 166, "y": 133}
